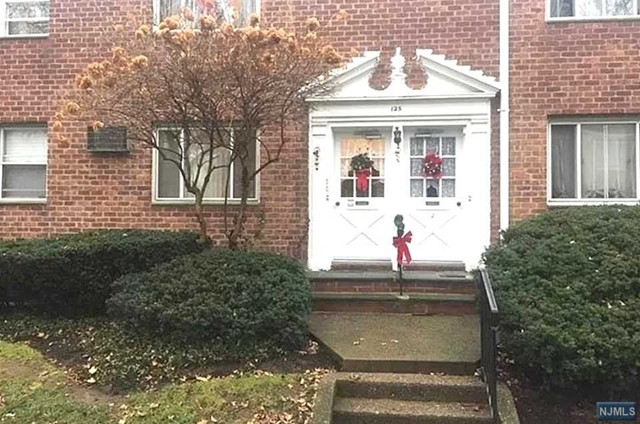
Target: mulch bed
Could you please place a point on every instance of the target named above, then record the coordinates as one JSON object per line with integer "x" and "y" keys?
{"x": 536, "y": 406}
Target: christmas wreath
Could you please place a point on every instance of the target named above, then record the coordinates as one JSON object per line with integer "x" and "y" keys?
{"x": 361, "y": 161}
{"x": 361, "y": 165}
{"x": 432, "y": 166}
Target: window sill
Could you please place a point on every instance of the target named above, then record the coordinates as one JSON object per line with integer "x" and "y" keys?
{"x": 8, "y": 202}
{"x": 23, "y": 36}
{"x": 573, "y": 19}
{"x": 189, "y": 202}
{"x": 592, "y": 202}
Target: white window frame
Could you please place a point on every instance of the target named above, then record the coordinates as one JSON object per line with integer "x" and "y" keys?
{"x": 258, "y": 8}
{"x": 455, "y": 178}
{"x": 30, "y": 200}
{"x": 183, "y": 200}
{"x": 4, "y": 20}
{"x": 579, "y": 201}
{"x": 191, "y": 5}
{"x": 156, "y": 9}
{"x": 549, "y": 18}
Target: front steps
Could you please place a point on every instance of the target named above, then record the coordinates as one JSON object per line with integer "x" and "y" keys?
{"x": 415, "y": 304}
{"x": 343, "y": 265}
{"x": 406, "y": 399}
{"x": 425, "y": 292}
{"x": 400, "y": 343}
{"x": 403, "y": 359}
{"x": 384, "y": 411}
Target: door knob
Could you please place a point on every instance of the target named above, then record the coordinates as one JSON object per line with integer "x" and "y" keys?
{"x": 459, "y": 204}
{"x": 337, "y": 203}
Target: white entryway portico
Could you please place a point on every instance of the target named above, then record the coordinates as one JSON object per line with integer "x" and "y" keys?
{"x": 397, "y": 132}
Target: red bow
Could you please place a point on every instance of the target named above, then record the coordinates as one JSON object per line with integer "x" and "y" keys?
{"x": 362, "y": 182}
{"x": 400, "y": 243}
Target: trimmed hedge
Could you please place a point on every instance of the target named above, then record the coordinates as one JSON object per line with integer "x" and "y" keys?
{"x": 568, "y": 285}
{"x": 243, "y": 300}
{"x": 72, "y": 274}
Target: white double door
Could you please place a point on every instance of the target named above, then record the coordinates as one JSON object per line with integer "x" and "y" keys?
{"x": 434, "y": 210}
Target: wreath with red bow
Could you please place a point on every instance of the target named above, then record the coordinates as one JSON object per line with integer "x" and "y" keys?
{"x": 361, "y": 165}
{"x": 432, "y": 166}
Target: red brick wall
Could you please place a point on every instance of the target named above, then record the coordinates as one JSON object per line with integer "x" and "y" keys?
{"x": 87, "y": 191}
{"x": 559, "y": 69}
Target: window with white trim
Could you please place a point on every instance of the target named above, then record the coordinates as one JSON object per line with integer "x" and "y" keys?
{"x": 24, "y": 18}
{"x": 229, "y": 10}
{"x": 226, "y": 177}
{"x": 593, "y": 162}
{"x": 23, "y": 163}
{"x": 588, "y": 9}
{"x": 162, "y": 9}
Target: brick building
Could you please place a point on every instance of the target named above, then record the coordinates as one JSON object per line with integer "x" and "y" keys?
{"x": 570, "y": 137}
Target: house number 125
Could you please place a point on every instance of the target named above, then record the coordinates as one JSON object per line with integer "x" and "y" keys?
{"x": 396, "y": 108}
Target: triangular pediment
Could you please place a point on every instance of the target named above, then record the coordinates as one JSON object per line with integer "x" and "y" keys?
{"x": 444, "y": 78}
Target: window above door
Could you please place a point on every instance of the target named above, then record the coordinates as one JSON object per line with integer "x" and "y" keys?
{"x": 592, "y": 162}
{"x": 563, "y": 10}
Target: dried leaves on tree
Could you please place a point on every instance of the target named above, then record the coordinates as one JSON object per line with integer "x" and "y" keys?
{"x": 221, "y": 90}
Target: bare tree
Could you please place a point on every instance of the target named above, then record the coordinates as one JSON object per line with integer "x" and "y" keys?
{"x": 215, "y": 91}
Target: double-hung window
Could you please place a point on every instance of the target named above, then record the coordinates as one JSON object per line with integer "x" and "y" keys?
{"x": 225, "y": 179}
{"x": 23, "y": 163}
{"x": 229, "y": 10}
{"x": 24, "y": 18}
{"x": 592, "y": 9}
{"x": 593, "y": 162}
{"x": 162, "y": 9}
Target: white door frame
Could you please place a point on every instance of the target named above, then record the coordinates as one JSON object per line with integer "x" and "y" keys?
{"x": 472, "y": 115}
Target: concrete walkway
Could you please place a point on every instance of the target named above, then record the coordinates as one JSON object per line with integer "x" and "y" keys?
{"x": 400, "y": 343}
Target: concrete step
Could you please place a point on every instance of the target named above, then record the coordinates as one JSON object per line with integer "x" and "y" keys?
{"x": 408, "y": 276}
{"x": 386, "y": 411}
{"x": 351, "y": 265}
{"x": 408, "y": 366}
{"x": 381, "y": 282}
{"x": 412, "y": 387}
{"x": 382, "y": 265}
{"x": 414, "y": 303}
{"x": 396, "y": 343}
{"x": 436, "y": 266}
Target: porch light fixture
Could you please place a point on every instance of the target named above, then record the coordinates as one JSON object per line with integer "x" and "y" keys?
{"x": 397, "y": 139}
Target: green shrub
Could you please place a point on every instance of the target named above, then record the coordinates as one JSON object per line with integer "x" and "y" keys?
{"x": 72, "y": 274}
{"x": 568, "y": 285}
{"x": 236, "y": 298}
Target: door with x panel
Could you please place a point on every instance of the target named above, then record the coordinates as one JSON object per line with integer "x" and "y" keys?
{"x": 434, "y": 205}
{"x": 363, "y": 221}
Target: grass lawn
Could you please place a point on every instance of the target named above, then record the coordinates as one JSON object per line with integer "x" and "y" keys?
{"x": 101, "y": 352}
{"x": 94, "y": 370}
{"x": 33, "y": 390}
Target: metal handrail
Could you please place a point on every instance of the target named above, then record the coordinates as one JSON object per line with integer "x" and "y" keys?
{"x": 488, "y": 340}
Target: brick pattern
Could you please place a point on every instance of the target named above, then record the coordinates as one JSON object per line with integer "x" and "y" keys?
{"x": 392, "y": 287}
{"x": 89, "y": 191}
{"x": 563, "y": 69}
{"x": 355, "y": 306}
